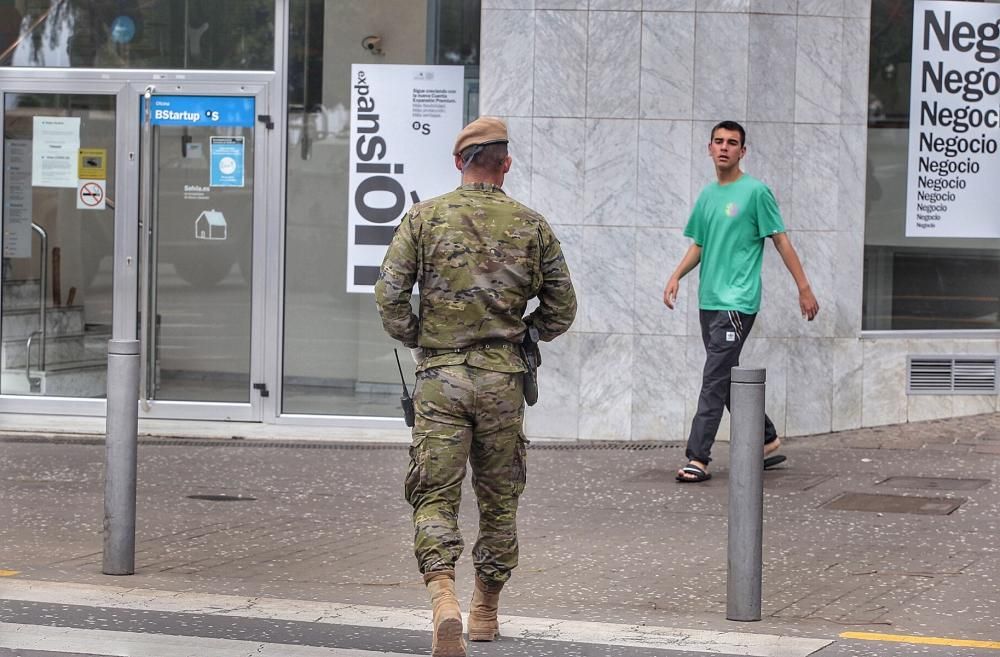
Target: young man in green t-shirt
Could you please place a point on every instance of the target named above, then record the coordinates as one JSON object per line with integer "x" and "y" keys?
{"x": 729, "y": 223}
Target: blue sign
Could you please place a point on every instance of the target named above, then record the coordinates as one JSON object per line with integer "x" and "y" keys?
{"x": 227, "y": 161}
{"x": 123, "y": 29}
{"x": 223, "y": 111}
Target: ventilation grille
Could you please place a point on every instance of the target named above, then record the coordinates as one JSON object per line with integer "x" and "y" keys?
{"x": 951, "y": 375}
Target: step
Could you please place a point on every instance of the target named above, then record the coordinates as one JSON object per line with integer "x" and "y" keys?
{"x": 21, "y": 322}
{"x": 58, "y": 349}
{"x": 76, "y": 379}
{"x": 20, "y": 293}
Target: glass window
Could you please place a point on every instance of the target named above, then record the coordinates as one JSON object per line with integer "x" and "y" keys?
{"x": 337, "y": 358}
{"x": 913, "y": 283}
{"x": 178, "y": 34}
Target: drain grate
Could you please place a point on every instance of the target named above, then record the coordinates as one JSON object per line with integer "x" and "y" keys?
{"x": 223, "y": 498}
{"x": 933, "y": 483}
{"x": 930, "y": 506}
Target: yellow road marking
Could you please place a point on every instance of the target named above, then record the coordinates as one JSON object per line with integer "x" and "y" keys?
{"x": 929, "y": 640}
{"x": 9, "y": 573}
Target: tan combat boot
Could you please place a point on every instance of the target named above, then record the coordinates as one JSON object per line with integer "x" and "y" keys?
{"x": 483, "y": 624}
{"x": 448, "y": 641}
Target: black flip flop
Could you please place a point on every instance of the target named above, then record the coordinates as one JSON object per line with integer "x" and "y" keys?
{"x": 697, "y": 475}
{"x": 772, "y": 461}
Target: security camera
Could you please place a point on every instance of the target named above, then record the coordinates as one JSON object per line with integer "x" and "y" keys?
{"x": 372, "y": 44}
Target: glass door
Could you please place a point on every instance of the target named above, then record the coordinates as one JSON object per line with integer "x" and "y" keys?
{"x": 60, "y": 183}
{"x": 201, "y": 196}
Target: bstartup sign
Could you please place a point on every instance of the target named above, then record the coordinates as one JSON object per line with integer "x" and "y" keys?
{"x": 953, "y": 188}
{"x": 404, "y": 120}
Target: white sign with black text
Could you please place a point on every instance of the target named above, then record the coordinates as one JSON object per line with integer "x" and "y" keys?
{"x": 954, "y": 149}
{"x": 404, "y": 120}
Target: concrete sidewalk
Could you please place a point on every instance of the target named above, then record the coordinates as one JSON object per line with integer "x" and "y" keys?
{"x": 606, "y": 534}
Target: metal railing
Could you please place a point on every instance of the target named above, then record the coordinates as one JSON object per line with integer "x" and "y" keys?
{"x": 43, "y": 283}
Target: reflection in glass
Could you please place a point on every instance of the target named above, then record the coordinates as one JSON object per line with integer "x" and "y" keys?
{"x": 57, "y": 284}
{"x": 336, "y": 357}
{"x": 203, "y": 246}
{"x": 912, "y": 283}
{"x": 180, "y": 34}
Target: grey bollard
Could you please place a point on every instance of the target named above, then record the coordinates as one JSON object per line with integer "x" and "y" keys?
{"x": 746, "y": 494}
{"x": 121, "y": 444}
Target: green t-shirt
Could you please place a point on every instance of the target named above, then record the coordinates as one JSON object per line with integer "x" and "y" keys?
{"x": 729, "y": 222}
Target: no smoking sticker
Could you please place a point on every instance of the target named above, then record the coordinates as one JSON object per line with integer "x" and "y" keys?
{"x": 91, "y": 195}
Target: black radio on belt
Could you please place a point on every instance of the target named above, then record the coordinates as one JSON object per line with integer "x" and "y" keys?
{"x": 405, "y": 401}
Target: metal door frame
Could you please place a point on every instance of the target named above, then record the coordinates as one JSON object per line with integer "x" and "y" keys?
{"x": 128, "y": 86}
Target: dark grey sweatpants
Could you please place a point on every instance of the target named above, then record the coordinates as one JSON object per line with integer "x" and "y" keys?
{"x": 724, "y": 332}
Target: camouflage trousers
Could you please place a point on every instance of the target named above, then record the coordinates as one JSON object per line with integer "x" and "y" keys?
{"x": 466, "y": 414}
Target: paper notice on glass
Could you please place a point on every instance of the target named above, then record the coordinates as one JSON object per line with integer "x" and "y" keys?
{"x": 55, "y": 151}
{"x": 17, "y": 198}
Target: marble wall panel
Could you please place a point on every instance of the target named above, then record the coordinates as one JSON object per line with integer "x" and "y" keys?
{"x": 562, "y": 4}
{"x": 694, "y": 352}
{"x": 623, "y": 5}
{"x": 810, "y": 400}
{"x": 858, "y": 8}
{"x": 557, "y": 178}
{"x": 846, "y": 369}
{"x": 664, "y": 175}
{"x": 667, "y": 68}
{"x": 847, "y": 282}
{"x": 658, "y": 365}
{"x": 604, "y": 280}
{"x": 556, "y": 415}
{"x": 669, "y": 5}
{"x": 506, "y": 63}
{"x": 884, "y": 382}
{"x": 702, "y": 169}
{"x": 774, "y": 7}
{"x": 770, "y": 158}
{"x": 560, "y": 63}
{"x": 854, "y": 101}
{"x": 720, "y": 87}
{"x": 818, "y": 70}
{"x": 613, "y": 64}
{"x": 658, "y": 252}
{"x": 508, "y": 4}
{"x": 815, "y": 192}
{"x": 771, "y": 81}
{"x": 821, "y": 8}
{"x": 517, "y": 183}
{"x": 852, "y": 177}
{"x": 610, "y": 172}
{"x": 606, "y": 386}
{"x": 741, "y": 6}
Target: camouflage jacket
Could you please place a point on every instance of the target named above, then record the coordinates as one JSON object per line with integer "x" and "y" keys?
{"x": 477, "y": 256}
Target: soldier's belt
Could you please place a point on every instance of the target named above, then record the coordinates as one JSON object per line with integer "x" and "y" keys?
{"x": 478, "y": 346}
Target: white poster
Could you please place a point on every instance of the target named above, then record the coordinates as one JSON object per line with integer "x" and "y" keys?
{"x": 953, "y": 186}
{"x": 404, "y": 120}
{"x": 17, "y": 198}
{"x": 55, "y": 151}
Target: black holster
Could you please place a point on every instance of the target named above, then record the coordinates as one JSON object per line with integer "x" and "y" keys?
{"x": 532, "y": 359}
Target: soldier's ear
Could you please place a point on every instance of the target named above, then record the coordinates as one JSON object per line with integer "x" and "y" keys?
{"x": 506, "y": 164}
{"x": 458, "y": 162}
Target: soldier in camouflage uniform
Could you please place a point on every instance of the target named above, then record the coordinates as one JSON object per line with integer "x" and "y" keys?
{"x": 478, "y": 256}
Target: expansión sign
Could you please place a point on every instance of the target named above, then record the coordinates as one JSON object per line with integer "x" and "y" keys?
{"x": 403, "y": 124}
{"x": 954, "y": 149}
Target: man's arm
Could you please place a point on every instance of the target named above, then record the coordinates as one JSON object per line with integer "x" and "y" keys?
{"x": 395, "y": 285}
{"x": 688, "y": 262}
{"x": 556, "y": 297}
{"x": 807, "y": 301}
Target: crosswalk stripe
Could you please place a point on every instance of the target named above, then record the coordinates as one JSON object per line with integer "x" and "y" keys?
{"x": 735, "y": 643}
{"x": 131, "y": 644}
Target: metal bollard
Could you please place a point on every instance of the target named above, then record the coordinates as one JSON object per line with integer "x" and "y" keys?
{"x": 121, "y": 444}
{"x": 746, "y": 494}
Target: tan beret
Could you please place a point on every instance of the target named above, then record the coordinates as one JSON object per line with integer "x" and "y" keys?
{"x": 484, "y": 130}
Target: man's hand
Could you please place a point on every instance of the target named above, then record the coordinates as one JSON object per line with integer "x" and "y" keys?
{"x": 808, "y": 304}
{"x": 670, "y": 292}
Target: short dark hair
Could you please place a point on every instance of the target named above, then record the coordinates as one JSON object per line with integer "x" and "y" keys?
{"x": 730, "y": 125}
{"x": 489, "y": 158}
